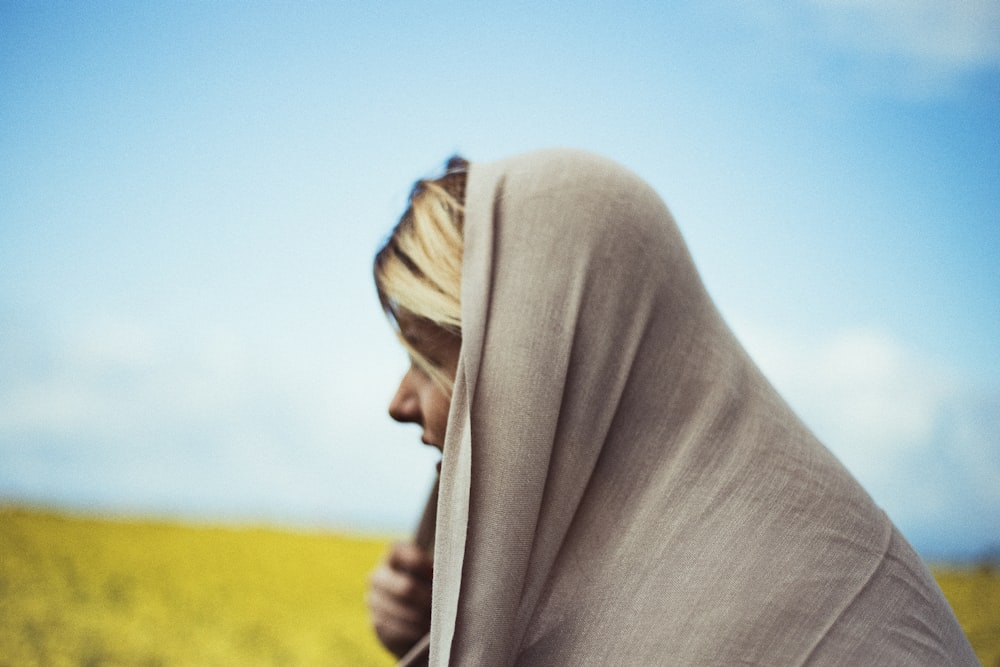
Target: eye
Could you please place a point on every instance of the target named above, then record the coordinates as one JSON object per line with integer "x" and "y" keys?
{"x": 418, "y": 367}
{"x": 429, "y": 349}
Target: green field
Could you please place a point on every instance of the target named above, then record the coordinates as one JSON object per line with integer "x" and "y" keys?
{"x": 89, "y": 592}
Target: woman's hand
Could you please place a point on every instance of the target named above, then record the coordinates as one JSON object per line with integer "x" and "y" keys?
{"x": 399, "y": 597}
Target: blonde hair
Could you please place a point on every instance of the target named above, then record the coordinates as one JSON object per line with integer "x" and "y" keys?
{"x": 418, "y": 271}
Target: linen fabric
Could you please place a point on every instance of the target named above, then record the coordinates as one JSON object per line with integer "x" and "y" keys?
{"x": 620, "y": 484}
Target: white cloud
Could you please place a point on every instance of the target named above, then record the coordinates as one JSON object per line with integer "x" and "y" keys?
{"x": 960, "y": 34}
{"x": 882, "y": 391}
{"x": 915, "y": 49}
{"x": 118, "y": 378}
{"x": 921, "y": 48}
{"x": 921, "y": 440}
{"x": 208, "y": 420}
{"x": 860, "y": 387}
{"x": 112, "y": 342}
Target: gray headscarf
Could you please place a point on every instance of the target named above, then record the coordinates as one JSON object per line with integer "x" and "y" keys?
{"x": 620, "y": 484}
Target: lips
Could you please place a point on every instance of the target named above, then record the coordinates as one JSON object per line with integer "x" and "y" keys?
{"x": 431, "y": 444}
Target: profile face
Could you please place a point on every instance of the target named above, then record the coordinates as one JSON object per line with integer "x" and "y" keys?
{"x": 420, "y": 399}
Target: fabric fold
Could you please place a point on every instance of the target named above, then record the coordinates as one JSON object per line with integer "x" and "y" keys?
{"x": 620, "y": 484}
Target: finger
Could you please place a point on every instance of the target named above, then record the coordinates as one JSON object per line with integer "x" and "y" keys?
{"x": 397, "y": 637}
{"x": 382, "y": 608}
{"x": 408, "y": 557}
{"x": 401, "y": 586}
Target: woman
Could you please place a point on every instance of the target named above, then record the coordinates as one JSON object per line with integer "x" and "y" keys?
{"x": 619, "y": 483}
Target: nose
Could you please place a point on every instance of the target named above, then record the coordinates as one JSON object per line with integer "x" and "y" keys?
{"x": 405, "y": 405}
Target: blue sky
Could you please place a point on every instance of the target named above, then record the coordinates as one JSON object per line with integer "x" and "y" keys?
{"x": 191, "y": 193}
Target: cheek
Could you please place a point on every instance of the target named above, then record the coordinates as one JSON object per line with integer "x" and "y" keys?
{"x": 441, "y": 405}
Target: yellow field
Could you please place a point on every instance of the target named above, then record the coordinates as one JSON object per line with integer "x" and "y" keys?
{"x": 89, "y": 592}
{"x": 86, "y": 592}
{"x": 974, "y": 594}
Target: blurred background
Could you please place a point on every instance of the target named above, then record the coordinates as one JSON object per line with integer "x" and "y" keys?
{"x": 191, "y": 194}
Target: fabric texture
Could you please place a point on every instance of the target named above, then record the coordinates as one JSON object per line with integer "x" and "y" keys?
{"x": 620, "y": 484}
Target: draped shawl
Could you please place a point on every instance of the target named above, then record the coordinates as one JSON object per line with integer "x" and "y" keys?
{"x": 620, "y": 484}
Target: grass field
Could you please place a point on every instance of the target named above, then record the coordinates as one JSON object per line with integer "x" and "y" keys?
{"x": 88, "y": 592}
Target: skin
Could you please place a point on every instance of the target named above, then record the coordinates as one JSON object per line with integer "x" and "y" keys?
{"x": 399, "y": 595}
